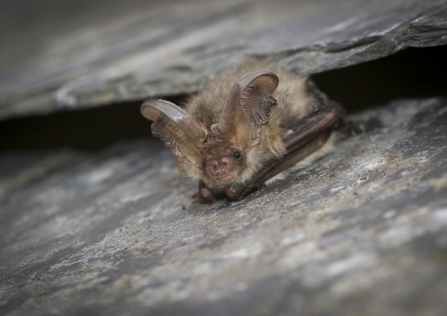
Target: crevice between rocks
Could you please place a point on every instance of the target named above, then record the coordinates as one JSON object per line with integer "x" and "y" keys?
{"x": 412, "y": 73}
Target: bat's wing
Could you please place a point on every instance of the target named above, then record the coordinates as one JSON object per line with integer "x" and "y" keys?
{"x": 311, "y": 134}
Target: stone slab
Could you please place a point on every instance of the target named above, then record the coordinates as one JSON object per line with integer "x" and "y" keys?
{"x": 362, "y": 231}
{"x": 71, "y": 55}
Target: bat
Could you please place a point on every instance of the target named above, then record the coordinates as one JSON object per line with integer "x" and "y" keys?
{"x": 244, "y": 128}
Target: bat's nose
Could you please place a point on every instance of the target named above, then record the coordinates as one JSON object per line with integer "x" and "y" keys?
{"x": 220, "y": 167}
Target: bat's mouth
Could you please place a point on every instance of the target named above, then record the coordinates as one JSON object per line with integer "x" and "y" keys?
{"x": 225, "y": 178}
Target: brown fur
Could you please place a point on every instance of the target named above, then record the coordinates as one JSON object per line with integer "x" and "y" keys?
{"x": 294, "y": 104}
{"x": 234, "y": 134}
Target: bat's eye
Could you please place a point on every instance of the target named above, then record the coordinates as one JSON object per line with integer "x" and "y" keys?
{"x": 237, "y": 155}
{"x": 204, "y": 163}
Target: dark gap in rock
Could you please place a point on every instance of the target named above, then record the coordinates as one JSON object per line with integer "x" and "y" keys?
{"x": 412, "y": 73}
{"x": 87, "y": 129}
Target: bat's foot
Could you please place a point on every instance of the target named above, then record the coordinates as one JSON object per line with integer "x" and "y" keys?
{"x": 233, "y": 193}
{"x": 197, "y": 198}
{"x": 204, "y": 196}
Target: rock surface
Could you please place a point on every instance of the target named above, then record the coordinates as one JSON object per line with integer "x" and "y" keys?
{"x": 57, "y": 55}
{"x": 363, "y": 231}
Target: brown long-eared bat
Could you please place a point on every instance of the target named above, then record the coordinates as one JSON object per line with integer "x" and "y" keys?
{"x": 244, "y": 128}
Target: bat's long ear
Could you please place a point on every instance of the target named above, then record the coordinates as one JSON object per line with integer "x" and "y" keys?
{"x": 247, "y": 107}
{"x": 180, "y": 132}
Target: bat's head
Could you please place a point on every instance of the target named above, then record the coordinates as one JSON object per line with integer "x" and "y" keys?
{"x": 225, "y": 153}
{"x": 224, "y": 160}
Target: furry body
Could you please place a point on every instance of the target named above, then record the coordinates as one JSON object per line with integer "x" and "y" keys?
{"x": 244, "y": 127}
{"x": 295, "y": 103}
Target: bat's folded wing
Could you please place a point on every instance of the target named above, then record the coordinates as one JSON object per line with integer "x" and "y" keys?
{"x": 311, "y": 134}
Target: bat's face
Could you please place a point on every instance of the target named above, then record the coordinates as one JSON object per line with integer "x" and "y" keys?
{"x": 224, "y": 162}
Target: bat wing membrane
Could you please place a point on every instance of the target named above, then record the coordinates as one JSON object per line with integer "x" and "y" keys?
{"x": 311, "y": 135}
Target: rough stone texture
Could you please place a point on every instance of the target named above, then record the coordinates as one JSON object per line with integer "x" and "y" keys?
{"x": 362, "y": 231}
{"x": 57, "y": 55}
{"x": 428, "y": 30}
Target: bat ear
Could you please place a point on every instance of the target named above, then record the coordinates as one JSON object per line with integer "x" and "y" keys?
{"x": 180, "y": 131}
{"x": 247, "y": 108}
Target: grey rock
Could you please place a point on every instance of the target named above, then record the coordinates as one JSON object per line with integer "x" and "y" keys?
{"x": 362, "y": 231}
{"x": 428, "y": 30}
{"x": 75, "y": 56}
